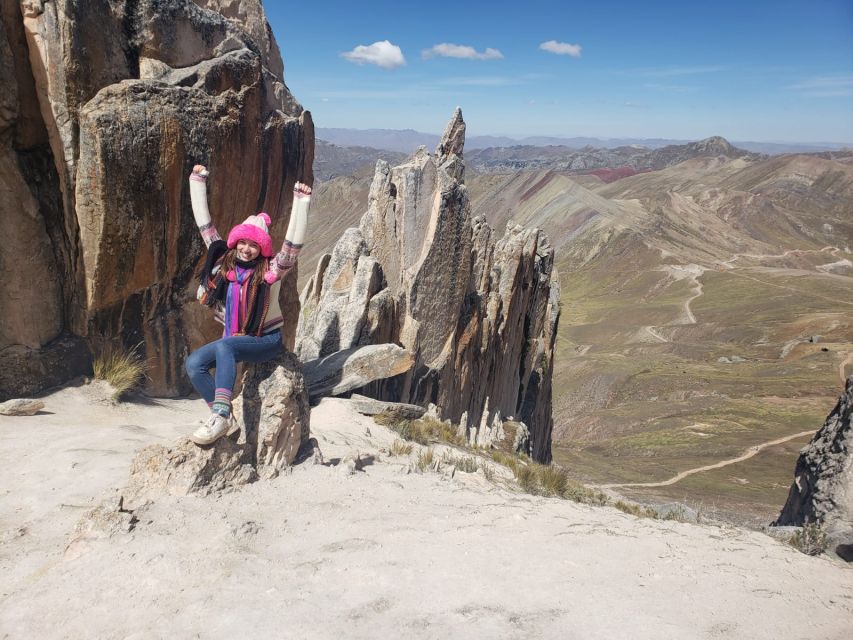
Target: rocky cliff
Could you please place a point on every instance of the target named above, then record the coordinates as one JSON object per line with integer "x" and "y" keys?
{"x": 478, "y": 313}
{"x": 822, "y": 491}
{"x": 108, "y": 106}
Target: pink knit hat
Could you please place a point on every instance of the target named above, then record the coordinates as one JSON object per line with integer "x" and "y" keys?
{"x": 256, "y": 229}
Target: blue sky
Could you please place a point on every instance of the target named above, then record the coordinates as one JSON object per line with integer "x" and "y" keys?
{"x": 749, "y": 70}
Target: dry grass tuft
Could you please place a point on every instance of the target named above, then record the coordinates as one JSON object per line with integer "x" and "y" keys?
{"x": 124, "y": 369}
{"x": 637, "y": 510}
{"x": 426, "y": 459}
{"x": 400, "y": 448}
{"x": 811, "y": 539}
{"x": 423, "y": 430}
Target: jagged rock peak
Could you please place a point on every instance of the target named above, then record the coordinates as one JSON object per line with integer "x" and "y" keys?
{"x": 477, "y": 313}
{"x": 453, "y": 139}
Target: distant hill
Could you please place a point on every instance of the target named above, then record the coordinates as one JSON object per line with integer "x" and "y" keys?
{"x": 407, "y": 140}
{"x": 332, "y": 160}
{"x": 626, "y": 159}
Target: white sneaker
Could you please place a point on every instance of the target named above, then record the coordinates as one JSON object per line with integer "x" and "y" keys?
{"x": 214, "y": 428}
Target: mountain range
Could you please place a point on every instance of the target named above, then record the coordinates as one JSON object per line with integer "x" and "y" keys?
{"x": 706, "y": 312}
{"x": 407, "y": 140}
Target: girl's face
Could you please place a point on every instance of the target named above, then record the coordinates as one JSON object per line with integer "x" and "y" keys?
{"x": 247, "y": 250}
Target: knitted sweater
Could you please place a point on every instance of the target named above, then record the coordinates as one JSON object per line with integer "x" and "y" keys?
{"x": 279, "y": 265}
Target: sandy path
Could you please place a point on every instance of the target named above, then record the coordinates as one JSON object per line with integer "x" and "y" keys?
{"x": 691, "y": 272}
{"x": 746, "y": 456}
{"x": 382, "y": 553}
{"x": 761, "y": 256}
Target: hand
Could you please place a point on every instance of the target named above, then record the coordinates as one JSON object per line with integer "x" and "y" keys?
{"x": 201, "y": 170}
{"x": 301, "y": 190}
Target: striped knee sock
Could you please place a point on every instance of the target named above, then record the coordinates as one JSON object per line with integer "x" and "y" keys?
{"x": 222, "y": 402}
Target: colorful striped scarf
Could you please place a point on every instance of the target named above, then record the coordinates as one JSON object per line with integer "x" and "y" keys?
{"x": 236, "y": 299}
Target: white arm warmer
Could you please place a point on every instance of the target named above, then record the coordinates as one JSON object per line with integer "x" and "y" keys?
{"x": 298, "y": 224}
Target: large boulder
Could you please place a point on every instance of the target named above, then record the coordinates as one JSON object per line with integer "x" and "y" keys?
{"x": 822, "y": 491}
{"x": 112, "y": 104}
{"x": 477, "y": 313}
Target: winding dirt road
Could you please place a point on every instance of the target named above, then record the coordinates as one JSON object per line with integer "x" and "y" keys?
{"x": 746, "y": 456}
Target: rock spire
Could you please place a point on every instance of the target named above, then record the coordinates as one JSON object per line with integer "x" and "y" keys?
{"x": 479, "y": 314}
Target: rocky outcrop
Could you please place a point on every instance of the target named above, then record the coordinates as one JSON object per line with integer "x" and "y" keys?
{"x": 479, "y": 314}
{"x": 349, "y": 369}
{"x": 273, "y": 418}
{"x": 111, "y": 105}
{"x": 21, "y": 407}
{"x": 822, "y": 491}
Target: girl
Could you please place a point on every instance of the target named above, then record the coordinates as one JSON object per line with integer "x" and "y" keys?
{"x": 240, "y": 281}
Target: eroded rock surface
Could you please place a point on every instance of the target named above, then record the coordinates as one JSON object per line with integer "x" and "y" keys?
{"x": 109, "y": 105}
{"x": 273, "y": 417}
{"x": 822, "y": 491}
{"x": 478, "y": 313}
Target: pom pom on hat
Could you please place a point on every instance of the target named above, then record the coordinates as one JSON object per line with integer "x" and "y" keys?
{"x": 256, "y": 229}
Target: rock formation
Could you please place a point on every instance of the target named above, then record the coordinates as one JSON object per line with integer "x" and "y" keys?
{"x": 105, "y": 108}
{"x": 478, "y": 314}
{"x": 822, "y": 491}
{"x": 272, "y": 414}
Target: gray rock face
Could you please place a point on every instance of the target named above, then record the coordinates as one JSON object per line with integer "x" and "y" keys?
{"x": 353, "y": 368}
{"x": 111, "y": 105}
{"x": 21, "y": 407}
{"x": 822, "y": 491}
{"x": 273, "y": 415}
{"x": 479, "y": 314}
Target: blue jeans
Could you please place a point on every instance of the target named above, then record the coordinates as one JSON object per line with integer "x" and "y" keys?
{"x": 223, "y": 355}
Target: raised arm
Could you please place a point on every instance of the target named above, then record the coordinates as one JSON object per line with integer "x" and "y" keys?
{"x": 285, "y": 259}
{"x": 198, "y": 197}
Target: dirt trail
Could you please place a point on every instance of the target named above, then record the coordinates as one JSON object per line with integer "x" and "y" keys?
{"x": 650, "y": 330}
{"x": 692, "y": 272}
{"x": 749, "y": 453}
{"x": 761, "y": 256}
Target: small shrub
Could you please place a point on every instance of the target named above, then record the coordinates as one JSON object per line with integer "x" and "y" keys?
{"x": 636, "y": 509}
{"x": 488, "y": 472}
{"x": 811, "y": 539}
{"x": 467, "y": 464}
{"x": 579, "y": 493}
{"x": 527, "y": 479}
{"x": 425, "y": 460}
{"x": 124, "y": 369}
{"x": 505, "y": 459}
{"x": 553, "y": 480}
{"x": 423, "y": 431}
{"x": 400, "y": 448}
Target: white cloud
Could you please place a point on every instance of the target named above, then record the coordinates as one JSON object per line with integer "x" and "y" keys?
{"x": 382, "y": 54}
{"x": 830, "y": 86}
{"x": 561, "y": 48}
{"x": 825, "y": 83}
{"x": 447, "y": 50}
{"x": 669, "y": 72}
